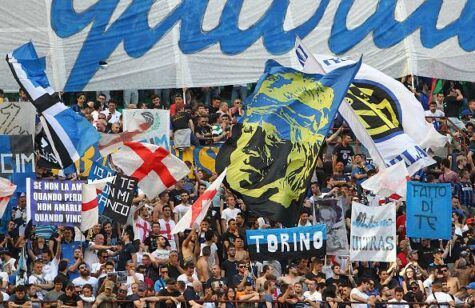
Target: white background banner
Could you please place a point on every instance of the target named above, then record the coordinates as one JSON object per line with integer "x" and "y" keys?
{"x": 373, "y": 233}
{"x": 17, "y": 118}
{"x": 158, "y": 133}
{"x": 171, "y": 43}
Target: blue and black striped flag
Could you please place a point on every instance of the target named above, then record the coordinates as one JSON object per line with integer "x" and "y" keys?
{"x": 68, "y": 133}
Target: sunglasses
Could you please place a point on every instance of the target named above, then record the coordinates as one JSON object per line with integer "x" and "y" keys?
{"x": 82, "y": 267}
{"x": 242, "y": 266}
{"x": 122, "y": 291}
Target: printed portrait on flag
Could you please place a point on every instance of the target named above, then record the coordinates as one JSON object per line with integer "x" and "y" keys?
{"x": 330, "y": 213}
{"x": 273, "y": 150}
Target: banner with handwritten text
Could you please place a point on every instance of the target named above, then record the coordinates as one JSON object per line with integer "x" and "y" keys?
{"x": 121, "y": 194}
{"x": 373, "y": 233}
{"x": 429, "y": 210}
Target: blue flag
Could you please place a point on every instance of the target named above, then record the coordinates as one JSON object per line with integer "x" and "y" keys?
{"x": 429, "y": 210}
{"x": 64, "y": 129}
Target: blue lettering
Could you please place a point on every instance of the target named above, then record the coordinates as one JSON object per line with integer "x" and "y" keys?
{"x": 133, "y": 30}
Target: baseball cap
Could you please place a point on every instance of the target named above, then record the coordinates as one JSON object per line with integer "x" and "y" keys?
{"x": 436, "y": 250}
{"x": 470, "y": 221}
{"x": 471, "y": 285}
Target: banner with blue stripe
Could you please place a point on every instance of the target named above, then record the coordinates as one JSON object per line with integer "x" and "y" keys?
{"x": 288, "y": 243}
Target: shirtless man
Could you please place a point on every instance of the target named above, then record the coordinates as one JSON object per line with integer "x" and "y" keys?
{"x": 293, "y": 276}
{"x": 241, "y": 253}
{"x": 188, "y": 247}
{"x": 202, "y": 267}
{"x": 452, "y": 282}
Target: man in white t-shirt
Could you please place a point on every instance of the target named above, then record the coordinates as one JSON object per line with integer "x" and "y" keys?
{"x": 230, "y": 212}
{"x": 85, "y": 277}
{"x": 358, "y": 295}
{"x": 132, "y": 276}
{"x": 181, "y": 209}
{"x": 437, "y": 297}
{"x": 166, "y": 226}
{"x": 37, "y": 279}
{"x": 312, "y": 295}
{"x": 433, "y": 113}
{"x": 160, "y": 256}
{"x": 142, "y": 227}
{"x": 112, "y": 115}
{"x": 398, "y": 295}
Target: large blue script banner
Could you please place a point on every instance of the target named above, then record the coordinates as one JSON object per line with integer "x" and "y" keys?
{"x": 228, "y": 42}
{"x": 429, "y": 211}
{"x": 17, "y": 159}
{"x": 288, "y": 243}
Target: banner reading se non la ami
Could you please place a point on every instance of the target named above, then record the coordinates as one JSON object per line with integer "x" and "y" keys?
{"x": 53, "y": 202}
{"x": 288, "y": 243}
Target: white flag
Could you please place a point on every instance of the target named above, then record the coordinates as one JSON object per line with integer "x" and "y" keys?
{"x": 90, "y": 207}
{"x": 198, "y": 210}
{"x": 7, "y": 189}
{"x": 392, "y": 180}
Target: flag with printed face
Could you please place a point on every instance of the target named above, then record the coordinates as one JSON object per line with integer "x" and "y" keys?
{"x": 154, "y": 167}
{"x": 90, "y": 207}
{"x": 6, "y": 191}
{"x": 273, "y": 150}
{"x": 198, "y": 210}
{"x": 64, "y": 128}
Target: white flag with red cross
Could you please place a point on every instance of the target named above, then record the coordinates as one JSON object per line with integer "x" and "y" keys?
{"x": 7, "y": 189}
{"x": 154, "y": 167}
{"x": 90, "y": 207}
{"x": 198, "y": 210}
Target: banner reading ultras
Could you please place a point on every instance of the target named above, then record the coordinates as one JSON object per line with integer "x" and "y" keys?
{"x": 288, "y": 243}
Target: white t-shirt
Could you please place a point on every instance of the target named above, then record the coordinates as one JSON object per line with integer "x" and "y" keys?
{"x": 181, "y": 209}
{"x": 437, "y": 113}
{"x": 90, "y": 255}
{"x": 183, "y": 278}
{"x": 161, "y": 254}
{"x": 79, "y": 281}
{"x": 142, "y": 229}
{"x": 50, "y": 270}
{"x": 131, "y": 281}
{"x": 440, "y": 297}
{"x": 5, "y": 296}
{"x": 166, "y": 228}
{"x": 358, "y": 293}
{"x": 313, "y": 297}
{"x": 115, "y": 118}
{"x": 393, "y": 300}
{"x": 229, "y": 213}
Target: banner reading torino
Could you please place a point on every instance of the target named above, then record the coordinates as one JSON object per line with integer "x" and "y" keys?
{"x": 287, "y": 243}
{"x": 171, "y": 44}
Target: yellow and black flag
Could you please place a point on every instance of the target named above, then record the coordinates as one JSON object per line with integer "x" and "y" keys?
{"x": 273, "y": 149}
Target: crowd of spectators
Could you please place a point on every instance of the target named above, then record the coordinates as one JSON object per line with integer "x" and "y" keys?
{"x": 142, "y": 263}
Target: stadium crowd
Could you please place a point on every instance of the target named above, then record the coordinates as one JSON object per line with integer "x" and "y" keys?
{"x": 142, "y": 263}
